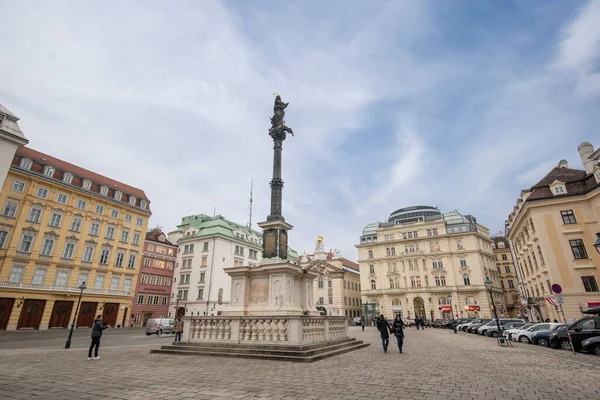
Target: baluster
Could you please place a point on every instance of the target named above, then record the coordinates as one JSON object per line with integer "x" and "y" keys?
{"x": 275, "y": 330}
{"x": 268, "y": 330}
{"x": 261, "y": 330}
{"x": 254, "y": 330}
{"x": 246, "y": 330}
{"x": 227, "y": 335}
{"x": 283, "y": 330}
{"x": 220, "y": 329}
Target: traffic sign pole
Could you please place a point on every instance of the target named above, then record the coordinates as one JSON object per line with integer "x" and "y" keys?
{"x": 568, "y": 333}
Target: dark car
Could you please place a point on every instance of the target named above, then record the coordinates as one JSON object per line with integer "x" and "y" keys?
{"x": 473, "y": 328}
{"x": 437, "y": 323}
{"x": 542, "y": 338}
{"x": 579, "y": 330}
{"x": 591, "y": 345}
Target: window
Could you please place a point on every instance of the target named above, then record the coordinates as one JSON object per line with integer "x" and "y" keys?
{"x": 507, "y": 269}
{"x": 94, "y": 229}
{"x": 103, "y": 190}
{"x": 55, "y": 220}
{"x": 370, "y": 254}
{"x": 501, "y": 245}
{"x": 132, "y": 200}
{"x": 10, "y": 209}
{"x": 82, "y": 278}
{"x": 511, "y": 284}
{"x": 459, "y": 245}
{"x": 393, "y": 251}
{"x": 124, "y": 236}
{"x": 435, "y": 232}
{"x": 568, "y": 217}
{"x": 320, "y": 283}
{"x": 437, "y": 246}
{"x": 589, "y": 283}
{"x": 16, "y": 274}
{"x": 118, "y": 195}
{"x": 559, "y": 190}
{"x": 202, "y": 277}
{"x": 587, "y": 324}
{"x": 466, "y": 280}
{"x": 114, "y": 213}
{"x": 539, "y": 249}
{"x": 18, "y": 186}
{"x": 164, "y": 300}
{"x": 87, "y": 184}
{"x": 81, "y": 204}
{"x": 373, "y": 285}
{"x": 35, "y": 215}
{"x": 437, "y": 264}
{"x": 147, "y": 262}
{"x": 99, "y": 209}
{"x": 143, "y": 204}
{"x": 437, "y": 281}
{"x": 372, "y": 269}
{"x": 504, "y": 257}
{"x": 502, "y": 284}
{"x": 531, "y": 225}
{"x": 578, "y": 249}
{"x": 329, "y": 283}
{"x": 128, "y": 218}
{"x": 62, "y": 278}
{"x": 200, "y": 294}
{"x": 110, "y": 232}
{"x": 238, "y": 250}
{"x": 39, "y": 276}
{"x": 205, "y": 246}
{"x": 136, "y": 238}
{"x": 140, "y": 299}
{"x": 443, "y": 279}
{"x": 26, "y": 242}
{"x": 47, "y": 247}
{"x": 75, "y": 224}
{"x": 140, "y": 221}
{"x": 104, "y": 254}
{"x": 120, "y": 258}
{"x": 3, "y": 238}
{"x": 330, "y": 300}
{"x": 68, "y": 178}
{"x": 88, "y": 253}
{"x": 131, "y": 263}
{"x": 69, "y": 250}
{"x": 114, "y": 283}
{"x": 99, "y": 282}
{"x": 49, "y": 171}
{"x": 463, "y": 263}
{"x": 144, "y": 279}
{"x": 25, "y": 163}
{"x": 42, "y": 193}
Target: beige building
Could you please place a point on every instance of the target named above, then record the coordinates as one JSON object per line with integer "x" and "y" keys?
{"x": 552, "y": 228}
{"x": 337, "y": 289}
{"x": 509, "y": 280}
{"x": 411, "y": 263}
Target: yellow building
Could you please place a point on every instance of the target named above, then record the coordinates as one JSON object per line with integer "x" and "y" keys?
{"x": 60, "y": 226}
{"x": 509, "y": 280}
{"x": 552, "y": 229}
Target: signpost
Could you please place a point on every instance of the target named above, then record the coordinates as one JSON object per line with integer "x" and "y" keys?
{"x": 560, "y": 299}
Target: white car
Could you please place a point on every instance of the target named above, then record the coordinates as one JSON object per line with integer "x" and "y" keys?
{"x": 510, "y": 333}
{"x": 483, "y": 328}
{"x": 524, "y": 336}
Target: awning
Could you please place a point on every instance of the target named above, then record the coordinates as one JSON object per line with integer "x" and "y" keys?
{"x": 445, "y": 308}
{"x": 472, "y": 308}
{"x": 593, "y": 303}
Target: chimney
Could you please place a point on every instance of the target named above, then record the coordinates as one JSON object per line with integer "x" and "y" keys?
{"x": 585, "y": 151}
{"x": 563, "y": 164}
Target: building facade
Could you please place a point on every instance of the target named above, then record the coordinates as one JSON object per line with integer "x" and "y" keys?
{"x": 153, "y": 289}
{"x": 552, "y": 229}
{"x": 11, "y": 138}
{"x": 208, "y": 245}
{"x": 423, "y": 262}
{"x": 60, "y": 226}
{"x": 337, "y": 289}
{"x": 509, "y": 280}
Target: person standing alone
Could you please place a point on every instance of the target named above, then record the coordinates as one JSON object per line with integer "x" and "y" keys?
{"x": 178, "y": 329}
{"x": 362, "y": 323}
{"x": 398, "y": 327}
{"x": 97, "y": 329}
{"x": 384, "y": 328}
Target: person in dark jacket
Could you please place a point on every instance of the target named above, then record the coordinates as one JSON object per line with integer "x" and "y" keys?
{"x": 417, "y": 321}
{"x": 362, "y": 323}
{"x": 398, "y": 327}
{"x": 97, "y": 329}
{"x": 384, "y": 328}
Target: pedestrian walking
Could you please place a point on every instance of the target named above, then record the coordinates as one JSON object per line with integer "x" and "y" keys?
{"x": 398, "y": 328}
{"x": 362, "y": 323}
{"x": 178, "y": 329}
{"x": 422, "y": 324}
{"x": 97, "y": 329}
{"x": 417, "y": 322}
{"x": 384, "y": 328}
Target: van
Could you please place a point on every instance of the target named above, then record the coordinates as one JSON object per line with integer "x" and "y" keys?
{"x": 159, "y": 325}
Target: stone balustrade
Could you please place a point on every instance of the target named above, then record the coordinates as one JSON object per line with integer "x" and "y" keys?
{"x": 268, "y": 329}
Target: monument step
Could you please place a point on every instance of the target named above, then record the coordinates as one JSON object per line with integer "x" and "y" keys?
{"x": 268, "y": 346}
{"x": 325, "y": 352}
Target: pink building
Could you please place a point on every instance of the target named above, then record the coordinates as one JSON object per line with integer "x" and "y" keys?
{"x": 153, "y": 288}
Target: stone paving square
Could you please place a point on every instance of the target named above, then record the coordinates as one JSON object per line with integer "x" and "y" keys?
{"x": 435, "y": 365}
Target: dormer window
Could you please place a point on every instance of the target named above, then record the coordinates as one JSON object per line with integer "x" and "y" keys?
{"x": 558, "y": 188}
{"x": 26, "y": 163}
{"x": 68, "y": 177}
{"x": 500, "y": 245}
{"x": 104, "y": 191}
{"x": 597, "y": 176}
{"x": 49, "y": 171}
{"x": 132, "y": 200}
{"x": 87, "y": 184}
{"x": 144, "y": 204}
{"x": 118, "y": 195}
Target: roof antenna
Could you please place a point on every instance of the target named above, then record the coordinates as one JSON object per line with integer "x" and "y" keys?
{"x": 250, "y": 206}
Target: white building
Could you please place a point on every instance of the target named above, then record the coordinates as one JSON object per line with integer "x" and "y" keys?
{"x": 208, "y": 245}
{"x": 11, "y": 138}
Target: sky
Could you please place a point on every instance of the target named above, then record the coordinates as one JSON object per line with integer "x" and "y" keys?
{"x": 454, "y": 104}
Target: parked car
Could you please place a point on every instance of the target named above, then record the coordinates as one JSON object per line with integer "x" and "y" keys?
{"x": 511, "y": 332}
{"x": 462, "y": 322}
{"x": 542, "y": 338}
{"x": 465, "y": 327}
{"x": 507, "y": 325}
{"x": 356, "y": 321}
{"x": 579, "y": 330}
{"x": 437, "y": 323}
{"x": 525, "y": 336}
{"x": 473, "y": 328}
{"x": 159, "y": 325}
{"x": 484, "y": 327}
{"x": 591, "y": 345}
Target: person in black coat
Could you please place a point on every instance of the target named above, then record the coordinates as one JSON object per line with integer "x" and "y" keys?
{"x": 398, "y": 327}
{"x": 97, "y": 329}
{"x": 384, "y": 328}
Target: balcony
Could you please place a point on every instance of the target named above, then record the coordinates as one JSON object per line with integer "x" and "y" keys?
{"x": 63, "y": 289}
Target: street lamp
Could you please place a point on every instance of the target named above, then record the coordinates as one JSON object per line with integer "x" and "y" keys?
{"x": 597, "y": 242}
{"x": 452, "y": 312}
{"x": 489, "y": 285}
{"x": 81, "y": 288}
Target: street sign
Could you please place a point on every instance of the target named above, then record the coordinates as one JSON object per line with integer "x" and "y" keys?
{"x": 560, "y": 298}
{"x": 556, "y": 288}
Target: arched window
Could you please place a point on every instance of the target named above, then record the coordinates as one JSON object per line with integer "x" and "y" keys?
{"x": 395, "y": 302}
{"x": 388, "y": 252}
{"x": 431, "y": 248}
{"x": 373, "y": 285}
{"x": 437, "y": 281}
{"x": 459, "y": 244}
{"x": 466, "y": 279}
{"x": 370, "y": 253}
{"x": 391, "y": 283}
{"x": 463, "y": 262}
{"x": 397, "y": 283}
{"x": 437, "y": 246}
{"x": 443, "y": 279}
{"x": 371, "y": 269}
{"x": 393, "y": 251}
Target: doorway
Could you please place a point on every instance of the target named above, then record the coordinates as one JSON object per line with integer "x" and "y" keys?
{"x": 87, "y": 314}
{"x": 109, "y": 314}
{"x": 181, "y": 312}
{"x": 419, "y": 306}
{"x": 6, "y": 306}
{"x": 31, "y": 314}
{"x": 60, "y": 314}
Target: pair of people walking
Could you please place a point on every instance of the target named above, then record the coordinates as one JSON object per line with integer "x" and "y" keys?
{"x": 397, "y": 328}
{"x": 420, "y": 322}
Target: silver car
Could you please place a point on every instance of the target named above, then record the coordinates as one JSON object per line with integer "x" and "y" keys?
{"x": 159, "y": 325}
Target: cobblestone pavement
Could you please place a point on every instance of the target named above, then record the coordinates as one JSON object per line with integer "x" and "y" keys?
{"x": 436, "y": 364}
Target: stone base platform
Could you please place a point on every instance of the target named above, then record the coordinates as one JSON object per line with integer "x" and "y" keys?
{"x": 281, "y": 352}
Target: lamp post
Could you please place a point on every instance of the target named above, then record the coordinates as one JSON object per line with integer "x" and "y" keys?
{"x": 597, "y": 242}
{"x": 489, "y": 285}
{"x": 81, "y": 288}
{"x": 452, "y": 312}
{"x": 178, "y": 297}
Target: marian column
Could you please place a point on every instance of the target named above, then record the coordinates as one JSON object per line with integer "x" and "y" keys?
{"x": 275, "y": 229}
